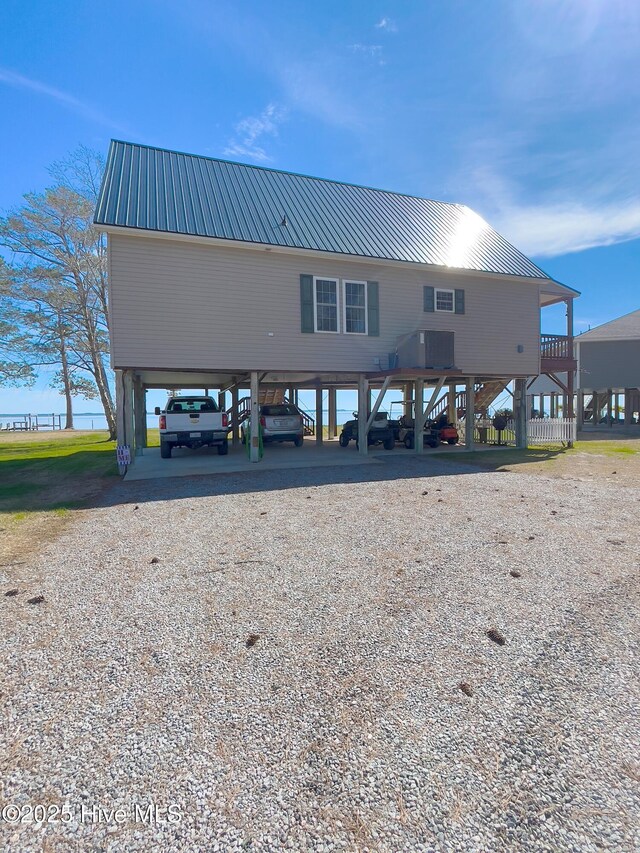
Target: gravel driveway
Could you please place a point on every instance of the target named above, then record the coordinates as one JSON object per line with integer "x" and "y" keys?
{"x": 283, "y": 661}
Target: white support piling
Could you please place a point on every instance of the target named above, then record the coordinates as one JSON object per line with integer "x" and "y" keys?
{"x": 419, "y": 417}
{"x": 363, "y": 397}
{"x": 470, "y": 414}
{"x": 254, "y": 449}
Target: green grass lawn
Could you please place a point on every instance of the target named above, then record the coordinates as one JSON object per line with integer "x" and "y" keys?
{"x": 53, "y": 471}
{"x": 545, "y": 456}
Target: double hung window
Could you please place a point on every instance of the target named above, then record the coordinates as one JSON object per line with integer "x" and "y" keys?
{"x": 445, "y": 300}
{"x": 355, "y": 307}
{"x": 340, "y": 309}
{"x": 325, "y": 304}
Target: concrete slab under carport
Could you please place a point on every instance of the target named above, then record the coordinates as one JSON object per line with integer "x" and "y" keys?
{"x": 206, "y": 461}
{"x": 191, "y": 463}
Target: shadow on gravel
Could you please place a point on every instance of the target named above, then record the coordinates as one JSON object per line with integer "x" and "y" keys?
{"x": 397, "y": 469}
{"x": 52, "y": 481}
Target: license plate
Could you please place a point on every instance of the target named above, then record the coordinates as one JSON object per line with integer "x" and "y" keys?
{"x": 195, "y": 435}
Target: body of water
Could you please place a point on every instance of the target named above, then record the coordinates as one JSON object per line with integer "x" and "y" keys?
{"x": 98, "y": 421}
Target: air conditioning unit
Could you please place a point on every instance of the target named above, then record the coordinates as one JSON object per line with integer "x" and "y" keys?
{"x": 426, "y": 349}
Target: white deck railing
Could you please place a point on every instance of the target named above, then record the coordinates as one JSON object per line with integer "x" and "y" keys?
{"x": 551, "y": 430}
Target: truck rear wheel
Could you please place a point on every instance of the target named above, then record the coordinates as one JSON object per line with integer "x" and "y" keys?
{"x": 165, "y": 450}
{"x": 223, "y": 448}
{"x": 389, "y": 443}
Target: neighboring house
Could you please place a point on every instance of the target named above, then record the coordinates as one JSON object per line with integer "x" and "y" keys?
{"x": 609, "y": 370}
{"x": 607, "y": 378}
{"x": 230, "y": 276}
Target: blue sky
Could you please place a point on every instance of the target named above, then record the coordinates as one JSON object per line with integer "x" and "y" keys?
{"x": 526, "y": 110}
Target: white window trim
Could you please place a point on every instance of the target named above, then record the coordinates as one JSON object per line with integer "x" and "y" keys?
{"x": 317, "y": 278}
{"x": 346, "y": 281}
{"x": 436, "y": 291}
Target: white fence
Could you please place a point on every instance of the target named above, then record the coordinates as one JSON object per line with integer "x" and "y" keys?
{"x": 485, "y": 433}
{"x": 551, "y": 430}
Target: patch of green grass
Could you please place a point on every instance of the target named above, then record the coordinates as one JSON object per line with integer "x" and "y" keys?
{"x": 609, "y": 448}
{"x": 57, "y": 471}
{"x": 495, "y": 459}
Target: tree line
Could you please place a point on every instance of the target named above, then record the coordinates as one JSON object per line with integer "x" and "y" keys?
{"x": 53, "y": 288}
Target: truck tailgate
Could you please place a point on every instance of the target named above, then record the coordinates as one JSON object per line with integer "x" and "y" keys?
{"x": 194, "y": 421}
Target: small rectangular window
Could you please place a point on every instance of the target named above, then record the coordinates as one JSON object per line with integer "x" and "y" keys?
{"x": 445, "y": 300}
{"x": 325, "y": 304}
{"x": 355, "y": 307}
{"x": 192, "y": 404}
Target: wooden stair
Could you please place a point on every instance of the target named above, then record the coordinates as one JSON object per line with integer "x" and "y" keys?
{"x": 485, "y": 394}
{"x": 271, "y": 397}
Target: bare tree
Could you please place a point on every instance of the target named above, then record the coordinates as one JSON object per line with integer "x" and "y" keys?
{"x": 58, "y": 275}
{"x": 15, "y": 367}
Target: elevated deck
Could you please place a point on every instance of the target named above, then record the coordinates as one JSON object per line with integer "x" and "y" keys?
{"x": 556, "y": 354}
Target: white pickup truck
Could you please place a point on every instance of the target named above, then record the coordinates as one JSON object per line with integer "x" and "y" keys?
{"x": 192, "y": 422}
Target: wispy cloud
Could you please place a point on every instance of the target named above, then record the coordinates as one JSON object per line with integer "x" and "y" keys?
{"x": 554, "y": 168}
{"x": 311, "y": 81}
{"x": 550, "y": 203}
{"x": 250, "y": 131}
{"x": 19, "y": 81}
{"x": 313, "y": 87}
{"x": 557, "y": 229}
{"x": 372, "y": 51}
{"x": 387, "y": 24}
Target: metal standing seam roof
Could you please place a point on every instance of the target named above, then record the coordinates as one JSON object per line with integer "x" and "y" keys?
{"x": 626, "y": 327}
{"x": 159, "y": 190}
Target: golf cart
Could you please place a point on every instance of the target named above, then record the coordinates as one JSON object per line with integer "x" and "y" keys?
{"x": 380, "y": 432}
{"x": 436, "y": 431}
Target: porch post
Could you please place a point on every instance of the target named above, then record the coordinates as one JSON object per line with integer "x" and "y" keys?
{"x": 319, "y": 430}
{"x": 452, "y": 409}
{"x": 520, "y": 412}
{"x": 628, "y": 406}
{"x": 470, "y": 413}
{"x": 121, "y": 435}
{"x": 580, "y": 412}
{"x": 571, "y": 376}
{"x": 333, "y": 413}
{"x": 235, "y": 432}
{"x": 255, "y": 418}
{"x": 609, "y": 407}
{"x": 418, "y": 417}
{"x": 552, "y": 405}
{"x": 363, "y": 396}
{"x": 129, "y": 413}
{"x": 409, "y": 411}
{"x": 140, "y": 415}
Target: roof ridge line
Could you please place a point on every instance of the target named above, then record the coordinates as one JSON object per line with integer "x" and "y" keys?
{"x": 457, "y": 204}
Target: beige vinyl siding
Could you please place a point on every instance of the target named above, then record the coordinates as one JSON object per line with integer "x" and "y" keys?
{"x": 186, "y": 305}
